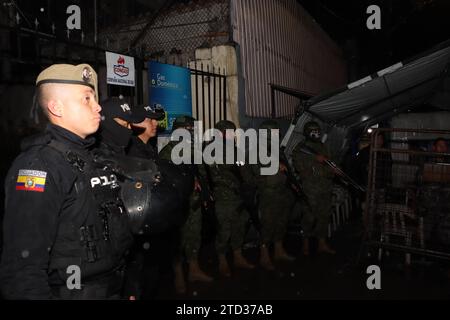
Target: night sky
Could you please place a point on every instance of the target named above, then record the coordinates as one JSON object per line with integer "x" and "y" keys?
{"x": 408, "y": 27}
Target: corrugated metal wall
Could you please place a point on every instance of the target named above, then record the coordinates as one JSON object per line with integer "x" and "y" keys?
{"x": 281, "y": 44}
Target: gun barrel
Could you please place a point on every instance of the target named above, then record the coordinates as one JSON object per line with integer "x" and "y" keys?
{"x": 348, "y": 179}
{"x": 331, "y": 164}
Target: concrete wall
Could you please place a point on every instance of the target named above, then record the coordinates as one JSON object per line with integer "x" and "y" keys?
{"x": 217, "y": 58}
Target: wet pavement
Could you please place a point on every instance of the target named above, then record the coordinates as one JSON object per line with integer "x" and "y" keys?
{"x": 319, "y": 276}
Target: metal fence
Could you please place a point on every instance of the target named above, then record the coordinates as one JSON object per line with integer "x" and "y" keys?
{"x": 408, "y": 199}
{"x": 34, "y": 50}
{"x": 173, "y": 35}
{"x": 209, "y": 92}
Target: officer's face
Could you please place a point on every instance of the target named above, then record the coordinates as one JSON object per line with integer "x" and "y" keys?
{"x": 153, "y": 127}
{"x": 80, "y": 110}
{"x": 149, "y": 125}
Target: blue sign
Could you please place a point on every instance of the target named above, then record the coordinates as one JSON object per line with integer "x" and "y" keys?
{"x": 170, "y": 88}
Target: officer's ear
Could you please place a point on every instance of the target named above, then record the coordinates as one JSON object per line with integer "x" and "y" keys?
{"x": 55, "y": 107}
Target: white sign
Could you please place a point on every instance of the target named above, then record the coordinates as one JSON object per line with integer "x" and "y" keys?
{"x": 120, "y": 69}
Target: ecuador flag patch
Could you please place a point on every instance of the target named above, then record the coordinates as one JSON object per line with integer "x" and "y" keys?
{"x": 31, "y": 180}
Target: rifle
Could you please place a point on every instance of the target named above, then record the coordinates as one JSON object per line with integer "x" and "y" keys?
{"x": 293, "y": 181}
{"x": 206, "y": 196}
{"x": 345, "y": 177}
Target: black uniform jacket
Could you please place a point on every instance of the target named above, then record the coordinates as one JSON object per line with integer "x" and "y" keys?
{"x": 52, "y": 217}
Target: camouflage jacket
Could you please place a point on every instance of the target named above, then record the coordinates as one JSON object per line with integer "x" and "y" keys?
{"x": 313, "y": 174}
{"x": 230, "y": 181}
{"x": 198, "y": 170}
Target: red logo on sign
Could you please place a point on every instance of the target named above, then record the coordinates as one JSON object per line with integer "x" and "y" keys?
{"x": 120, "y": 68}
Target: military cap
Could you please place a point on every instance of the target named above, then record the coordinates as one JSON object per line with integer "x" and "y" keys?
{"x": 149, "y": 112}
{"x": 223, "y": 125}
{"x": 183, "y": 122}
{"x": 82, "y": 74}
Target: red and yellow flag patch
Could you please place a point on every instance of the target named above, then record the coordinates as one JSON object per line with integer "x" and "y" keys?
{"x": 31, "y": 180}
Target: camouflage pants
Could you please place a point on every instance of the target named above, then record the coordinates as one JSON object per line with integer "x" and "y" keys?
{"x": 274, "y": 209}
{"x": 232, "y": 219}
{"x": 191, "y": 234}
{"x": 316, "y": 214}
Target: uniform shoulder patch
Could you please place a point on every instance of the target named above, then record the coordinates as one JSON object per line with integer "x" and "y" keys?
{"x": 31, "y": 180}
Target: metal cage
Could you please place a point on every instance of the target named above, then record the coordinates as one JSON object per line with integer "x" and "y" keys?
{"x": 407, "y": 205}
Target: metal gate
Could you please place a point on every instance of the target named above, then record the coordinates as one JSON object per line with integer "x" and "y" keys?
{"x": 408, "y": 198}
{"x": 209, "y": 94}
{"x": 25, "y": 52}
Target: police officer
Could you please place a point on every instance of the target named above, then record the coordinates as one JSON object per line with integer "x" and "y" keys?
{"x": 116, "y": 128}
{"x": 191, "y": 231}
{"x": 141, "y": 144}
{"x": 143, "y": 270}
{"x": 275, "y": 203}
{"x": 63, "y": 216}
{"x": 153, "y": 251}
{"x": 229, "y": 206}
{"x": 317, "y": 181}
{"x": 115, "y": 136}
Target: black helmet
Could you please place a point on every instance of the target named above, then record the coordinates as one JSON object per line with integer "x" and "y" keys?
{"x": 312, "y": 130}
{"x": 223, "y": 125}
{"x": 183, "y": 122}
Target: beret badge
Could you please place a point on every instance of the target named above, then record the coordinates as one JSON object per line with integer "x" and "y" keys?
{"x": 87, "y": 74}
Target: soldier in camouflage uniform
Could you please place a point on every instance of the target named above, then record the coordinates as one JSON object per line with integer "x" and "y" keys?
{"x": 317, "y": 180}
{"x": 275, "y": 203}
{"x": 229, "y": 207}
{"x": 190, "y": 233}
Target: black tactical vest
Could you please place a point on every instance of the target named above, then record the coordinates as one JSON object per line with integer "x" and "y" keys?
{"x": 93, "y": 231}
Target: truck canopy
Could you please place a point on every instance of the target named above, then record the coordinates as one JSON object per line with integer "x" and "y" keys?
{"x": 424, "y": 79}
